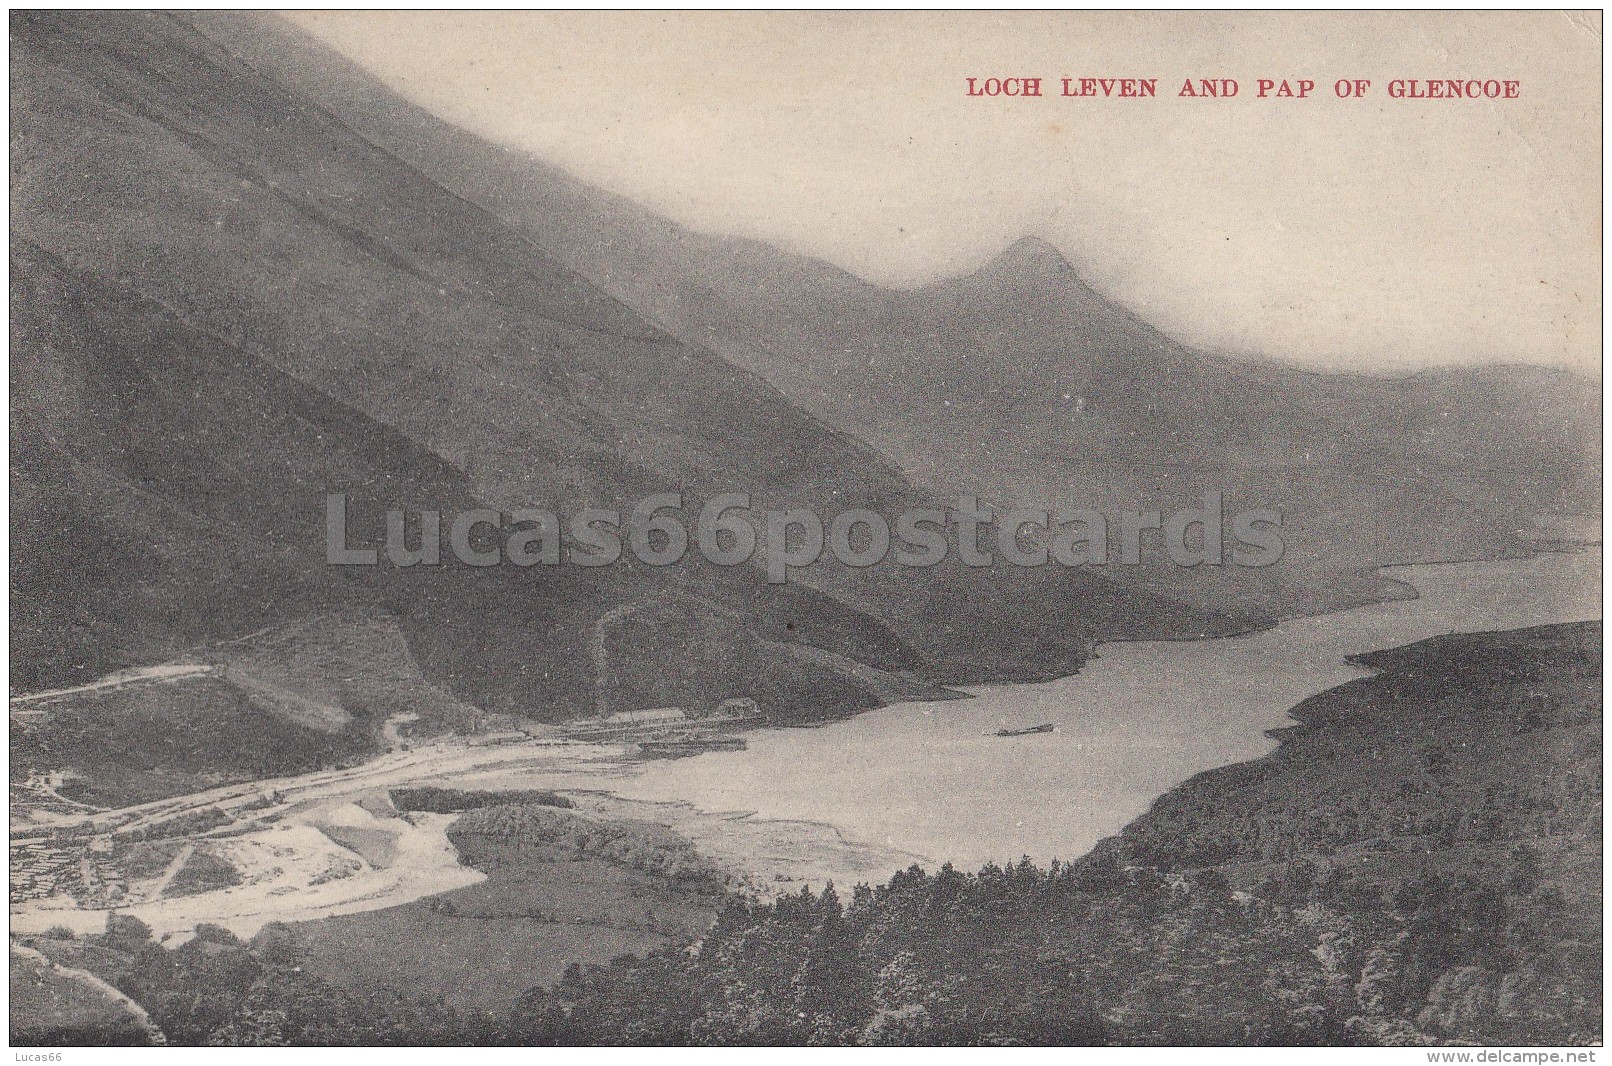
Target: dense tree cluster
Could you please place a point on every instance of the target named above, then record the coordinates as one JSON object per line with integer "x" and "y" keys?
{"x": 1096, "y": 953}
{"x": 433, "y": 799}
{"x": 486, "y": 836}
{"x": 1074, "y": 954}
{"x": 1419, "y": 863}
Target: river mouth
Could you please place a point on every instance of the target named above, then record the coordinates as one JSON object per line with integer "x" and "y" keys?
{"x": 934, "y": 780}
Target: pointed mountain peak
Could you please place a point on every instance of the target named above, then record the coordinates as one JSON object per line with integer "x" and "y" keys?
{"x": 1029, "y": 259}
{"x": 1037, "y": 255}
{"x": 1034, "y": 250}
{"x": 1029, "y": 264}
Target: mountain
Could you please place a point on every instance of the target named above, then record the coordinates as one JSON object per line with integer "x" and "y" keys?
{"x": 1023, "y": 385}
{"x": 227, "y": 303}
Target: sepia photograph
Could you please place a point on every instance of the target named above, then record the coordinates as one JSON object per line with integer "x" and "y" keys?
{"x": 806, "y": 528}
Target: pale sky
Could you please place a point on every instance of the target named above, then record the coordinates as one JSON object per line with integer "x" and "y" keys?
{"x": 1364, "y": 234}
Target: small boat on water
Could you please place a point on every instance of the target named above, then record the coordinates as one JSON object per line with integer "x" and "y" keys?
{"x": 1045, "y": 727}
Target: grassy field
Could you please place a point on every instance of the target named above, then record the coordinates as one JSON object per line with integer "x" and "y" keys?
{"x": 586, "y": 892}
{"x": 481, "y": 947}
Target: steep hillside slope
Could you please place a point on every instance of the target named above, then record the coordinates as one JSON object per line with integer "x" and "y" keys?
{"x": 289, "y": 699}
{"x": 203, "y": 352}
{"x": 1023, "y": 385}
{"x": 228, "y": 304}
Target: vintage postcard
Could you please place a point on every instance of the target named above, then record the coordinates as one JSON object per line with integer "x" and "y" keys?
{"x": 806, "y": 528}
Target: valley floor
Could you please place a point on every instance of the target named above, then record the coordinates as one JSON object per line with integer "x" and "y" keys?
{"x": 328, "y": 843}
{"x": 1417, "y": 863}
{"x": 1425, "y": 837}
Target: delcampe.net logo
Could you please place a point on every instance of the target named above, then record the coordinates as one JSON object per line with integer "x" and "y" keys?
{"x": 727, "y": 531}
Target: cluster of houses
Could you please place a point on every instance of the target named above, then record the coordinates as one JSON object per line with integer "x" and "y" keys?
{"x": 41, "y": 866}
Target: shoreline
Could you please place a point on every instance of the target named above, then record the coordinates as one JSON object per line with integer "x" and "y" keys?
{"x": 768, "y": 849}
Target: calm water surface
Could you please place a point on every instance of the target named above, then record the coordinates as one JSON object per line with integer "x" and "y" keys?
{"x": 927, "y": 778}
